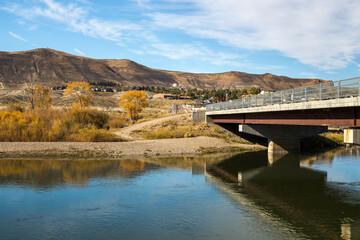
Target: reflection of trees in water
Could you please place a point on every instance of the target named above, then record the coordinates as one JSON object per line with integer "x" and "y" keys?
{"x": 329, "y": 155}
{"x": 53, "y": 172}
{"x": 49, "y": 173}
{"x": 324, "y": 157}
{"x": 188, "y": 162}
{"x": 133, "y": 165}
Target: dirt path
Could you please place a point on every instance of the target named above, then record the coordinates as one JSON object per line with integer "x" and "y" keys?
{"x": 126, "y": 132}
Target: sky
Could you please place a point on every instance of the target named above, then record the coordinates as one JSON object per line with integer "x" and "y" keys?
{"x": 295, "y": 38}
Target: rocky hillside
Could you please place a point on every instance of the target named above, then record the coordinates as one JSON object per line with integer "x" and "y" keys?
{"x": 52, "y": 68}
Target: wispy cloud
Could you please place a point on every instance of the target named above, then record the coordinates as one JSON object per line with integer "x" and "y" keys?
{"x": 321, "y": 33}
{"x": 143, "y": 3}
{"x": 240, "y": 24}
{"x": 202, "y": 53}
{"x": 79, "y": 52}
{"x": 17, "y": 36}
{"x": 177, "y": 51}
{"x": 75, "y": 18}
{"x": 137, "y": 52}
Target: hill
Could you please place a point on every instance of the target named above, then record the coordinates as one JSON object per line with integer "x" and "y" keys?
{"x": 54, "y": 68}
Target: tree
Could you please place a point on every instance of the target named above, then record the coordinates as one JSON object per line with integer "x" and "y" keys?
{"x": 234, "y": 94}
{"x": 81, "y": 92}
{"x": 244, "y": 91}
{"x": 255, "y": 90}
{"x": 38, "y": 97}
{"x": 134, "y": 102}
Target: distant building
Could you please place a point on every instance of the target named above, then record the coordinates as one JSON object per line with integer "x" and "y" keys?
{"x": 109, "y": 90}
{"x": 198, "y": 103}
{"x": 163, "y": 96}
{"x": 169, "y": 96}
{"x": 184, "y": 97}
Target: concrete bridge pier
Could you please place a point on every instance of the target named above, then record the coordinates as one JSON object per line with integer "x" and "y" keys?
{"x": 282, "y": 138}
{"x": 280, "y": 145}
{"x": 352, "y": 136}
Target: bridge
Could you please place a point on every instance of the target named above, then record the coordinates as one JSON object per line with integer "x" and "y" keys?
{"x": 283, "y": 118}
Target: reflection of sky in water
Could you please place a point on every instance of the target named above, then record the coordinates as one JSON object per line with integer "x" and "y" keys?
{"x": 138, "y": 200}
{"x": 161, "y": 204}
{"x": 344, "y": 169}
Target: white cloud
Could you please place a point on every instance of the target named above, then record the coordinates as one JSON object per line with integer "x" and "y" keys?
{"x": 75, "y": 18}
{"x": 79, "y": 52}
{"x": 17, "y": 36}
{"x": 177, "y": 51}
{"x": 322, "y": 33}
{"x": 138, "y": 52}
{"x": 296, "y": 31}
{"x": 143, "y": 3}
{"x": 202, "y": 53}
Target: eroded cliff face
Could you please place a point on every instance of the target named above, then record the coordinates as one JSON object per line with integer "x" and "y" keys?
{"x": 51, "y": 67}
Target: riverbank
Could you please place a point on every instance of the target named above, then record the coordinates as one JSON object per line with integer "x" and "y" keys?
{"x": 134, "y": 149}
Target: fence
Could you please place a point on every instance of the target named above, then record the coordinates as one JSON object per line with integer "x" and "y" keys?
{"x": 319, "y": 92}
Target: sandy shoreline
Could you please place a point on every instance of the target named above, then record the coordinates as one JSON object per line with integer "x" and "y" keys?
{"x": 140, "y": 148}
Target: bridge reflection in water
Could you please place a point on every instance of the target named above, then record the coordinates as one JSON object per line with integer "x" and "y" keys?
{"x": 285, "y": 192}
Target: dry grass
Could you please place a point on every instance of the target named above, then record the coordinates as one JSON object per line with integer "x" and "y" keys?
{"x": 185, "y": 127}
{"x": 118, "y": 122}
{"x": 171, "y": 132}
{"x": 150, "y": 115}
{"x": 92, "y": 135}
{"x": 336, "y": 137}
{"x": 166, "y": 103}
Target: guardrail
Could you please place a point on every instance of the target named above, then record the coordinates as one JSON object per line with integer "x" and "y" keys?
{"x": 319, "y": 92}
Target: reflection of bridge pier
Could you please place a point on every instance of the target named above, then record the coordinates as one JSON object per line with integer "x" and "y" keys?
{"x": 282, "y": 189}
{"x": 350, "y": 230}
{"x": 280, "y": 168}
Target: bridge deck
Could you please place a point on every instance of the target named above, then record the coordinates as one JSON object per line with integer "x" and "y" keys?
{"x": 335, "y": 112}
{"x": 341, "y": 110}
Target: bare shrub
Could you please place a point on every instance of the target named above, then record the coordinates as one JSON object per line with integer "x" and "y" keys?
{"x": 88, "y": 117}
{"x": 118, "y": 122}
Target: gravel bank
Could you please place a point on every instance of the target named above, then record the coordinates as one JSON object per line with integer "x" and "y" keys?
{"x": 161, "y": 147}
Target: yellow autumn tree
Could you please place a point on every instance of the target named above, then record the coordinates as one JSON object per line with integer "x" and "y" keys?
{"x": 38, "y": 97}
{"x": 80, "y": 92}
{"x": 134, "y": 102}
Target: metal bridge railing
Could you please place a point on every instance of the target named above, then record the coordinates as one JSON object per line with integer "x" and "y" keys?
{"x": 319, "y": 92}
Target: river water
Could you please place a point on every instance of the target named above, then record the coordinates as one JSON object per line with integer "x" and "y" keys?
{"x": 246, "y": 196}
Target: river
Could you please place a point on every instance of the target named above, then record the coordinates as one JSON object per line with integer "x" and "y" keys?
{"x": 245, "y": 196}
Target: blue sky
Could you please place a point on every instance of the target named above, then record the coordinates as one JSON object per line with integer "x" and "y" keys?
{"x": 296, "y": 38}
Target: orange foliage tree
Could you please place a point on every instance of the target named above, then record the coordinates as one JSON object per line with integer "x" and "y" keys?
{"x": 81, "y": 92}
{"x": 134, "y": 102}
{"x": 38, "y": 97}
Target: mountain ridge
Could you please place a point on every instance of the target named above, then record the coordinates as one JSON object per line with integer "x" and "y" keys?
{"x": 51, "y": 67}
